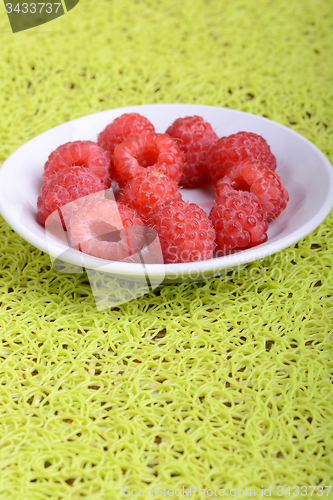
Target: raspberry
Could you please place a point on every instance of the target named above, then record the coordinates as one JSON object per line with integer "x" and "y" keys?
{"x": 195, "y": 137}
{"x": 121, "y": 183}
{"x": 121, "y": 128}
{"x": 239, "y": 222}
{"x": 148, "y": 191}
{"x": 68, "y": 184}
{"x": 107, "y": 229}
{"x": 82, "y": 154}
{"x": 259, "y": 180}
{"x": 155, "y": 151}
{"x": 185, "y": 232}
{"x": 230, "y": 150}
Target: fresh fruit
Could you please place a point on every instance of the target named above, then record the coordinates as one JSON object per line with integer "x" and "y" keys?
{"x": 122, "y": 127}
{"x": 107, "y": 229}
{"x": 185, "y": 232}
{"x": 148, "y": 150}
{"x": 143, "y": 169}
{"x": 63, "y": 187}
{"x": 259, "y": 180}
{"x": 195, "y": 138}
{"x": 68, "y": 210}
{"x": 146, "y": 192}
{"x": 85, "y": 154}
{"x": 121, "y": 183}
{"x": 239, "y": 222}
{"x": 230, "y": 150}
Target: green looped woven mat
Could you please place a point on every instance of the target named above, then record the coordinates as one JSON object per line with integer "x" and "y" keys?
{"x": 225, "y": 383}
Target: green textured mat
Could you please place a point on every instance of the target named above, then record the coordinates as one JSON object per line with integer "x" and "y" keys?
{"x": 219, "y": 384}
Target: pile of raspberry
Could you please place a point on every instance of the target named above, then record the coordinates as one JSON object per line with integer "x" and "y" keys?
{"x": 146, "y": 171}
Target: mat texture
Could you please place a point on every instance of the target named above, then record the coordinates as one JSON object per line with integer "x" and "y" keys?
{"x": 225, "y": 383}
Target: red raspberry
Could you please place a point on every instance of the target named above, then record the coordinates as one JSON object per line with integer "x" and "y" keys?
{"x": 148, "y": 191}
{"x": 121, "y": 128}
{"x": 239, "y": 222}
{"x": 259, "y": 180}
{"x": 101, "y": 228}
{"x": 68, "y": 210}
{"x": 195, "y": 138}
{"x": 185, "y": 232}
{"x": 155, "y": 151}
{"x": 63, "y": 187}
{"x": 80, "y": 154}
{"x": 242, "y": 146}
{"x": 121, "y": 183}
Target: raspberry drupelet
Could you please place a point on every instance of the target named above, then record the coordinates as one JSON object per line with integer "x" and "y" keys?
{"x": 195, "y": 138}
{"x": 85, "y": 154}
{"x": 230, "y": 150}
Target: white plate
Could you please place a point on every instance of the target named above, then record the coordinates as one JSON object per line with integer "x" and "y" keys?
{"x": 305, "y": 171}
